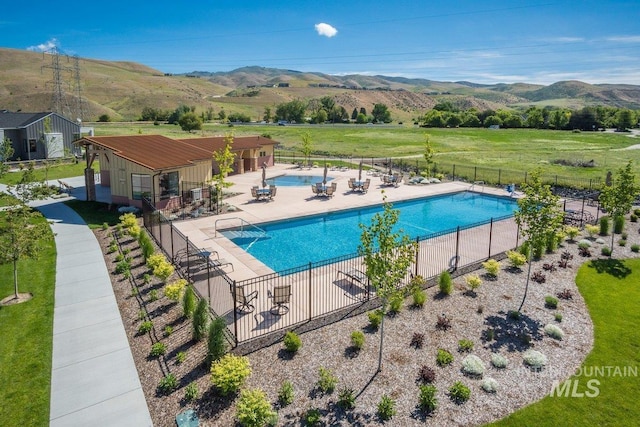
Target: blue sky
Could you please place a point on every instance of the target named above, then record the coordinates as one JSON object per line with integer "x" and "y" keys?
{"x": 483, "y": 42}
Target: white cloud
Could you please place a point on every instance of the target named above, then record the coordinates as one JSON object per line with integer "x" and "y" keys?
{"x": 326, "y": 30}
{"x": 43, "y": 47}
{"x": 624, "y": 39}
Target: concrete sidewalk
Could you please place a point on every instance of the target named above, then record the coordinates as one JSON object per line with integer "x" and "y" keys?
{"x": 94, "y": 380}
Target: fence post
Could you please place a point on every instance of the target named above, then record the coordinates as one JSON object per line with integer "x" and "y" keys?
{"x": 499, "y": 176}
{"x": 454, "y": 172}
{"x": 590, "y": 188}
{"x": 457, "y": 248}
{"x": 235, "y": 313}
{"x": 582, "y": 212}
{"x": 475, "y": 173}
{"x": 415, "y": 272}
{"x": 310, "y": 298}
{"x": 490, "y": 236}
{"x": 517, "y": 236}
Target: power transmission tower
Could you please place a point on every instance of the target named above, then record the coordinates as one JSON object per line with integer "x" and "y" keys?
{"x": 59, "y": 101}
{"x": 78, "y": 88}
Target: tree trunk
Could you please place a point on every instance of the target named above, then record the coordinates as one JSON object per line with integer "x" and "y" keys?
{"x": 381, "y": 341}
{"x": 15, "y": 278}
{"x": 613, "y": 236}
{"x": 526, "y": 287}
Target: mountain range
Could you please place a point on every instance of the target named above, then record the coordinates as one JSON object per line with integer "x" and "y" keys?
{"x": 28, "y": 81}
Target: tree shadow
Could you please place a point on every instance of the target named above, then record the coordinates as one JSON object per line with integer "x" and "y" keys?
{"x": 511, "y": 334}
{"x": 612, "y": 267}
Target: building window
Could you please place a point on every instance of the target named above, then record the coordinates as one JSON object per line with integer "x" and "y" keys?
{"x": 169, "y": 185}
{"x": 140, "y": 186}
{"x": 33, "y": 146}
{"x": 263, "y": 154}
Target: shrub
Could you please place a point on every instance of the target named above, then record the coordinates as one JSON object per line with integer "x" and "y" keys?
{"x": 516, "y": 259}
{"x": 375, "y": 318}
{"x": 395, "y": 303}
{"x": 427, "y": 400}
{"x": 534, "y": 359}
{"x": 142, "y": 315}
{"x": 473, "y": 365}
{"x": 153, "y": 295}
{"x": 229, "y": 373}
{"x": 584, "y": 243}
{"x": 490, "y": 334}
{"x": 163, "y": 271}
{"x": 145, "y": 327}
{"x": 465, "y": 345}
{"x": 605, "y": 251}
{"x": 618, "y": 224}
{"x": 386, "y": 408}
{"x": 584, "y": 252}
{"x": 558, "y": 317}
{"x": 622, "y": 242}
{"x": 538, "y": 250}
{"x": 554, "y": 331}
{"x": 633, "y": 218}
{"x": 459, "y": 392}
{"x": 514, "y": 315}
{"x": 473, "y": 281}
{"x": 417, "y": 340}
{"x": 550, "y": 302}
{"x": 312, "y": 417}
{"x": 168, "y": 384}
{"x": 216, "y": 343}
{"x": 444, "y": 358}
{"x": 591, "y": 230}
{"x": 346, "y": 398}
{"x": 189, "y": 302}
{"x": 357, "y": 339}
{"x": 155, "y": 260}
{"x": 173, "y": 290}
{"x": 123, "y": 267}
{"x": 254, "y": 410}
{"x": 286, "y": 394}
{"x": 158, "y": 349}
{"x": 443, "y": 322}
{"x": 490, "y": 385}
{"x": 146, "y": 279}
{"x": 492, "y": 267}
{"x": 112, "y": 248}
{"x": 427, "y": 374}
{"x": 565, "y": 294}
{"x": 191, "y": 392}
{"x": 499, "y": 361}
{"x": 572, "y": 232}
{"x": 181, "y": 357}
{"x": 525, "y": 249}
{"x": 119, "y": 257}
{"x": 549, "y": 266}
{"x": 538, "y": 277}
{"x": 326, "y": 380}
{"x": 604, "y": 226}
{"x": 419, "y": 297}
{"x": 445, "y": 283}
{"x": 200, "y": 321}
{"x": 168, "y": 330}
{"x": 636, "y": 212}
{"x": 635, "y": 248}
{"x": 292, "y": 341}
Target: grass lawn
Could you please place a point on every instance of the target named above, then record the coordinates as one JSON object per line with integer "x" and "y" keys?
{"x": 56, "y": 171}
{"x": 26, "y": 340}
{"x": 611, "y": 289}
{"x": 94, "y": 213}
{"x": 512, "y": 149}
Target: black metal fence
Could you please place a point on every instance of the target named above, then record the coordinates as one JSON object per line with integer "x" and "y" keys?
{"x": 452, "y": 171}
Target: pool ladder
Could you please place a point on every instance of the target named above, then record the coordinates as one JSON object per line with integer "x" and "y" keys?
{"x": 242, "y": 232}
{"x": 473, "y": 186}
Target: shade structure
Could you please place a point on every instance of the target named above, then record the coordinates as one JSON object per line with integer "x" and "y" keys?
{"x": 264, "y": 176}
{"x": 360, "y": 171}
{"x": 390, "y": 166}
{"x": 324, "y": 176}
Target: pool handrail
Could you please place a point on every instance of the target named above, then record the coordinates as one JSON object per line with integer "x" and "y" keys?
{"x": 242, "y": 224}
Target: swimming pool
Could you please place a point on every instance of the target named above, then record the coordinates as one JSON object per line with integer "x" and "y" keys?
{"x": 294, "y": 243}
{"x": 295, "y": 180}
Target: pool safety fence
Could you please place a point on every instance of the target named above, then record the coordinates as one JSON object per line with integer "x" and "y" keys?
{"x": 452, "y": 171}
{"x": 259, "y": 310}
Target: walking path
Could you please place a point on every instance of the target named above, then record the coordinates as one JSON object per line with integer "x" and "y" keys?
{"x": 94, "y": 380}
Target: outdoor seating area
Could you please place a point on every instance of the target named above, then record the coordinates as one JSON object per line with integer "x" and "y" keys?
{"x": 280, "y": 297}
{"x": 265, "y": 193}
{"x": 358, "y": 185}
{"x": 391, "y": 179}
{"x": 201, "y": 259}
{"x": 321, "y": 189}
{"x": 357, "y": 279}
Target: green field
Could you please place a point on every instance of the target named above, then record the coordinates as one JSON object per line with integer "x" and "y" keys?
{"x": 26, "y": 340}
{"x": 507, "y": 149}
{"x": 611, "y": 290}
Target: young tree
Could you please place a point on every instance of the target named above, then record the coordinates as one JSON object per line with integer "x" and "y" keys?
{"x": 189, "y": 121}
{"x": 307, "y": 146}
{"x": 21, "y": 231}
{"x": 428, "y": 153}
{"x": 225, "y": 159}
{"x": 6, "y": 152}
{"x": 618, "y": 198}
{"x": 267, "y": 114}
{"x": 539, "y": 217}
{"x": 388, "y": 254}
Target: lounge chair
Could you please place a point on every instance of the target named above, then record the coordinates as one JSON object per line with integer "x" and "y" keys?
{"x": 243, "y": 301}
{"x": 356, "y": 276}
{"x": 281, "y": 296}
{"x": 220, "y": 263}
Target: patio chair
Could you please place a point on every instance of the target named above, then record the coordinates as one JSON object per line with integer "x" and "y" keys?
{"x": 272, "y": 191}
{"x": 254, "y": 192}
{"x": 281, "y": 296}
{"x": 243, "y": 301}
{"x": 314, "y": 188}
{"x": 351, "y": 184}
{"x": 365, "y": 186}
{"x": 330, "y": 190}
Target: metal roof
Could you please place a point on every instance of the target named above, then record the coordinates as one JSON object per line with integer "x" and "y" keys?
{"x": 10, "y": 120}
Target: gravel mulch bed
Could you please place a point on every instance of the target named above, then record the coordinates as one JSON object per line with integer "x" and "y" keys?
{"x": 471, "y": 315}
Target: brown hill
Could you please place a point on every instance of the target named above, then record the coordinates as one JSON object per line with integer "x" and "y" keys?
{"x": 123, "y": 89}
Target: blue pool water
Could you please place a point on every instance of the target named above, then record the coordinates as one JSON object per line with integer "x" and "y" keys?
{"x": 297, "y": 242}
{"x": 295, "y": 180}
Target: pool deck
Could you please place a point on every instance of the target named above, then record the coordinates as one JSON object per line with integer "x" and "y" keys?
{"x": 295, "y": 202}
